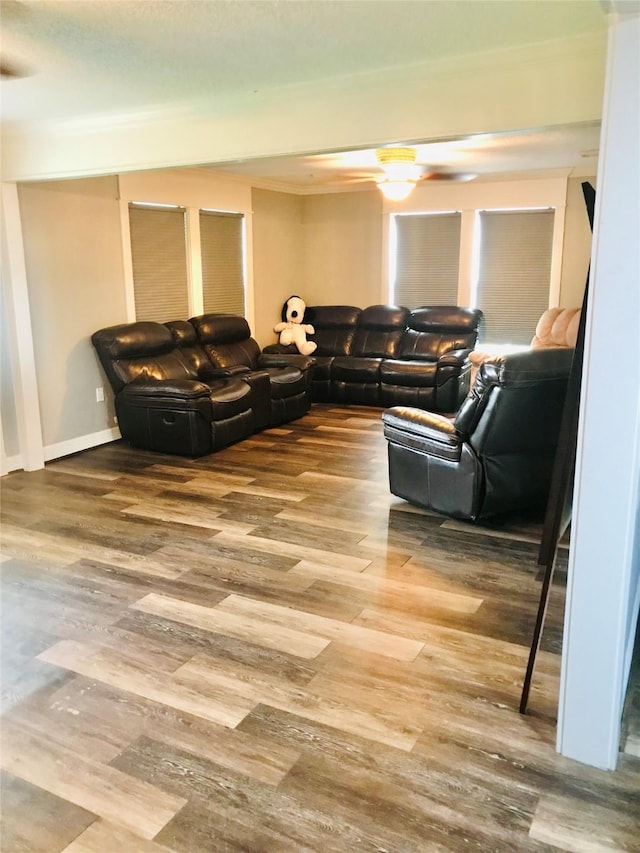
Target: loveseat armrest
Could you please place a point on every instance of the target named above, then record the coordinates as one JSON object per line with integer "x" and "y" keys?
{"x": 178, "y": 389}
{"x": 238, "y": 370}
{"x": 303, "y": 362}
{"x": 280, "y": 349}
{"x": 426, "y": 432}
{"x": 454, "y": 358}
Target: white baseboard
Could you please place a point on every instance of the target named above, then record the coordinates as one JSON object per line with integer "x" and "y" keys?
{"x": 83, "y": 442}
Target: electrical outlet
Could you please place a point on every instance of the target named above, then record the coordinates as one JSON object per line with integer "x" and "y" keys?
{"x": 100, "y": 395}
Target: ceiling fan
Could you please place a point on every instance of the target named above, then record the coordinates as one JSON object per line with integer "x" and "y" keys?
{"x": 401, "y": 171}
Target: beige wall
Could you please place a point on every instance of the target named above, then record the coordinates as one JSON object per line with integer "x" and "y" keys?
{"x": 75, "y": 274}
{"x": 278, "y": 269}
{"x": 342, "y": 240}
{"x": 577, "y": 245}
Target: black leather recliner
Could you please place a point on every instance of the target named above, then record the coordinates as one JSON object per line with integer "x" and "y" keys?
{"x": 165, "y": 403}
{"x": 432, "y": 368}
{"x": 284, "y": 381}
{"x": 497, "y": 454}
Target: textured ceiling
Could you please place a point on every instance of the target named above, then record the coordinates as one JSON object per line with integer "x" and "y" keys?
{"x": 106, "y": 56}
{"x": 120, "y": 61}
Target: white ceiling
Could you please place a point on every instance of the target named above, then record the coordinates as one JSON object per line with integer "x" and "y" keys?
{"x": 89, "y": 59}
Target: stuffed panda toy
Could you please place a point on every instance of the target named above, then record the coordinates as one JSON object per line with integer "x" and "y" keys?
{"x": 294, "y": 329}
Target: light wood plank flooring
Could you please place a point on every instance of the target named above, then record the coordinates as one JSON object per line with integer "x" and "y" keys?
{"x": 263, "y": 650}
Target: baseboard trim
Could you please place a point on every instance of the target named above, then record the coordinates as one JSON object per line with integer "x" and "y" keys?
{"x": 83, "y": 442}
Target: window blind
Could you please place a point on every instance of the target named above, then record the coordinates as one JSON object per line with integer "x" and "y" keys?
{"x": 159, "y": 258}
{"x": 514, "y": 273}
{"x": 222, "y": 262}
{"x": 427, "y": 259}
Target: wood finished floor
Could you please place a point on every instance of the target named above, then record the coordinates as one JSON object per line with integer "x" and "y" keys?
{"x": 262, "y": 650}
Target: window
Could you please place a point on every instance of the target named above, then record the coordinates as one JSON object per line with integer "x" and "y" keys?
{"x": 514, "y": 272}
{"x": 427, "y": 256}
{"x": 221, "y": 244}
{"x": 159, "y": 257}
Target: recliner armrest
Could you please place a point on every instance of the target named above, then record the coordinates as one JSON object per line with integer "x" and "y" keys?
{"x": 424, "y": 431}
{"x": 454, "y": 358}
{"x": 303, "y": 362}
{"x": 281, "y": 349}
{"x": 180, "y": 389}
{"x": 224, "y": 372}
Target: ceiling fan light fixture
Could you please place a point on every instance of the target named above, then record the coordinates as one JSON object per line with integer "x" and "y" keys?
{"x": 400, "y": 172}
{"x": 395, "y": 190}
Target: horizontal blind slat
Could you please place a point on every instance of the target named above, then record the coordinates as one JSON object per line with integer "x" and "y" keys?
{"x": 427, "y": 259}
{"x": 222, "y": 264}
{"x": 159, "y": 257}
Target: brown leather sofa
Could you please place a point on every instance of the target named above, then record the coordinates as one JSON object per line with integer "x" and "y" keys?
{"x": 388, "y": 355}
{"x": 497, "y": 454}
{"x": 171, "y": 396}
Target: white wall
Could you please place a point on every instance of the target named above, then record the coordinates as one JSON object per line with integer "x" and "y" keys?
{"x": 603, "y": 592}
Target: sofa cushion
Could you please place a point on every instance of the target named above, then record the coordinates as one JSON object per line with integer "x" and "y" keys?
{"x": 139, "y": 351}
{"x": 186, "y": 340}
{"x": 432, "y": 332}
{"x": 380, "y": 330}
{"x": 408, "y": 373}
{"x": 286, "y": 382}
{"x": 357, "y": 370}
{"x": 335, "y": 329}
{"x": 227, "y": 341}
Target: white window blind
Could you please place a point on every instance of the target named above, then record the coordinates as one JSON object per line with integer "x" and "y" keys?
{"x": 427, "y": 259}
{"x": 514, "y": 273}
{"x": 222, "y": 262}
{"x": 159, "y": 258}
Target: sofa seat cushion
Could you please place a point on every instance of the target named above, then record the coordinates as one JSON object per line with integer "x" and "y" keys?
{"x": 323, "y": 364}
{"x": 286, "y": 382}
{"x": 229, "y": 398}
{"x": 412, "y": 374}
{"x": 358, "y": 370}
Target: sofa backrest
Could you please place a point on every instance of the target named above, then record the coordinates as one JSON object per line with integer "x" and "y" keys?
{"x": 186, "y": 340}
{"x": 557, "y": 327}
{"x": 435, "y": 330}
{"x": 142, "y": 350}
{"x": 516, "y": 403}
{"x": 335, "y": 328}
{"x": 226, "y": 339}
{"x": 379, "y": 331}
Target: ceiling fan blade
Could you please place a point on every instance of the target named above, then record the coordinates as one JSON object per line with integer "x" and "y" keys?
{"x": 448, "y": 176}
{"x": 9, "y": 70}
